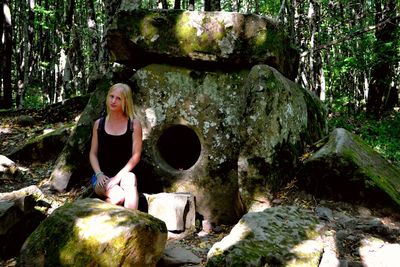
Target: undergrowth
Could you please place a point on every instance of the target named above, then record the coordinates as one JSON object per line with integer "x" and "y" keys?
{"x": 383, "y": 135}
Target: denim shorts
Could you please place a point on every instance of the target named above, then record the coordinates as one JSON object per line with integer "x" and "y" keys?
{"x": 94, "y": 180}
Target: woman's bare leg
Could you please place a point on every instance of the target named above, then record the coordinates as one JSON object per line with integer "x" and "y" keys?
{"x": 115, "y": 195}
{"x": 129, "y": 185}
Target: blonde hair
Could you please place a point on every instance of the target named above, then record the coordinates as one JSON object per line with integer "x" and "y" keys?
{"x": 127, "y": 100}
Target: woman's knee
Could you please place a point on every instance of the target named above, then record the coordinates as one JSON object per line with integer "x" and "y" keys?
{"x": 115, "y": 195}
{"x": 128, "y": 181}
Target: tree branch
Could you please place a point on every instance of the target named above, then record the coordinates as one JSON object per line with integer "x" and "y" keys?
{"x": 350, "y": 36}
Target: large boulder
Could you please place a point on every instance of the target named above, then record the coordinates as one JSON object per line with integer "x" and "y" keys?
{"x": 220, "y": 40}
{"x": 191, "y": 123}
{"x": 346, "y": 168}
{"x": 91, "y": 232}
{"x": 44, "y": 147}
{"x": 213, "y": 133}
{"x": 280, "y": 119}
{"x": 279, "y": 236}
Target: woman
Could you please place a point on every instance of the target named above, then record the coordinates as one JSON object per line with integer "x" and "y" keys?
{"x": 116, "y": 149}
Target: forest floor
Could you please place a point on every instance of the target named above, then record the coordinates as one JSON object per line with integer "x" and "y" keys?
{"x": 17, "y": 127}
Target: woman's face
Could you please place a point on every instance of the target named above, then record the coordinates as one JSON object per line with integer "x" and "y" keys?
{"x": 115, "y": 100}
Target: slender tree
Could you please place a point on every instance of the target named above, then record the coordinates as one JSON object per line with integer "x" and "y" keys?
{"x": 212, "y": 5}
{"x": 215, "y": 5}
{"x": 191, "y": 6}
{"x": 2, "y": 22}
{"x": 177, "y": 4}
{"x": 382, "y": 94}
{"x": 6, "y": 49}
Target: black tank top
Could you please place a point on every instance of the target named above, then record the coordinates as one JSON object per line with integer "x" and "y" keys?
{"x": 114, "y": 151}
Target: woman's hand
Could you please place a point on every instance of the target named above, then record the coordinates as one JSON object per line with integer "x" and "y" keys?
{"x": 102, "y": 184}
{"x": 114, "y": 181}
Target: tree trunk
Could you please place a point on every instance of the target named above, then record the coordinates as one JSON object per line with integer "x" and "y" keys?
{"x": 2, "y": 60}
{"x": 207, "y": 5}
{"x": 382, "y": 73}
{"x": 191, "y": 5}
{"x": 111, "y": 8}
{"x": 164, "y": 4}
{"x": 24, "y": 71}
{"x": 315, "y": 58}
{"x": 68, "y": 66}
{"x": 236, "y": 5}
{"x": 256, "y": 7}
{"x": 215, "y": 5}
{"x": 212, "y": 5}
{"x": 177, "y": 4}
{"x": 7, "y": 55}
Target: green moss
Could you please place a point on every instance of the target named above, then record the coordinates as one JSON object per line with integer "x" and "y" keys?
{"x": 147, "y": 29}
{"x": 79, "y": 240}
{"x": 261, "y": 38}
{"x": 371, "y": 169}
{"x": 282, "y": 237}
{"x": 185, "y": 33}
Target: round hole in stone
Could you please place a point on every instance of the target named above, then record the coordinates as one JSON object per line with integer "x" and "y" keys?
{"x": 179, "y": 146}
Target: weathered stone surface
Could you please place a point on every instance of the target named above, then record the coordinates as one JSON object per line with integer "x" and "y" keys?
{"x": 280, "y": 119}
{"x": 373, "y": 241}
{"x": 7, "y": 166}
{"x": 205, "y": 131}
{"x": 25, "y": 120}
{"x": 279, "y": 236}
{"x": 177, "y": 210}
{"x": 211, "y": 39}
{"x": 174, "y": 255}
{"x": 347, "y": 168}
{"x": 191, "y": 123}
{"x": 20, "y": 214}
{"x": 91, "y": 232}
{"x": 375, "y": 252}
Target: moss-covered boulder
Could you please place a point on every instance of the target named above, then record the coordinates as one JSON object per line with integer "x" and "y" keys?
{"x": 216, "y": 134}
{"x": 279, "y": 120}
{"x": 191, "y": 124}
{"x": 279, "y": 236}
{"x": 90, "y": 232}
{"x": 221, "y": 40}
{"x": 346, "y": 168}
{"x": 43, "y": 147}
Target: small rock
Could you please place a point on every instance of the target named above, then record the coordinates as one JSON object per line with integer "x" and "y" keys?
{"x": 324, "y": 213}
{"x": 207, "y": 226}
{"x": 177, "y": 256}
{"x": 364, "y": 211}
{"x": 25, "y": 120}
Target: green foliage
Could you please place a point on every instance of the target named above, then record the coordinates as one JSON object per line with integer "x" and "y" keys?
{"x": 34, "y": 98}
{"x": 382, "y": 134}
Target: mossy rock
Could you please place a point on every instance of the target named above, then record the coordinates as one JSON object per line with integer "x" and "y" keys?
{"x": 91, "y": 232}
{"x": 347, "y": 168}
{"x": 279, "y": 236}
{"x": 210, "y": 39}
